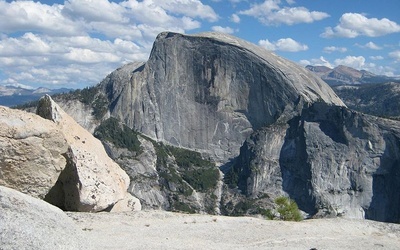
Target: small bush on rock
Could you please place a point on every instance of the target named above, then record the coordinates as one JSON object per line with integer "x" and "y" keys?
{"x": 288, "y": 209}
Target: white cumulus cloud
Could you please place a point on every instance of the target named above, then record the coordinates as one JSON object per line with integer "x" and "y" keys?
{"x": 395, "y": 55}
{"x": 235, "y": 18}
{"x": 321, "y": 61}
{"x": 95, "y": 11}
{"x": 190, "y": 8}
{"x": 270, "y": 13}
{"x": 284, "y": 44}
{"x": 371, "y": 45}
{"x": 376, "y": 58}
{"x": 331, "y": 49}
{"x": 227, "y": 30}
{"x": 352, "y": 25}
{"x": 80, "y": 41}
{"x": 36, "y": 17}
{"x": 356, "y": 62}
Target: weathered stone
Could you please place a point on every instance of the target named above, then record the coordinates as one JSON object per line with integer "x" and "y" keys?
{"x": 129, "y": 203}
{"x": 92, "y": 181}
{"x": 29, "y": 223}
{"x": 331, "y": 160}
{"x": 31, "y": 152}
{"x": 209, "y": 92}
{"x": 142, "y": 169}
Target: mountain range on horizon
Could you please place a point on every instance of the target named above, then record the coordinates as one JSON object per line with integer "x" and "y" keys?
{"x": 17, "y": 95}
{"x": 344, "y": 75}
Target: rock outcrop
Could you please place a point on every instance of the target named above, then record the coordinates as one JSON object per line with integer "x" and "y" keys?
{"x": 142, "y": 169}
{"x": 331, "y": 160}
{"x": 91, "y": 180}
{"x": 163, "y": 176}
{"x": 209, "y": 92}
{"x": 31, "y": 152}
{"x": 272, "y": 127}
{"x": 29, "y": 223}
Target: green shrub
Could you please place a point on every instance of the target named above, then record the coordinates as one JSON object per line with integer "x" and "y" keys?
{"x": 120, "y": 135}
{"x": 199, "y": 173}
{"x": 202, "y": 179}
{"x": 187, "y": 158}
{"x": 182, "y": 207}
{"x": 89, "y": 96}
{"x": 267, "y": 213}
{"x": 288, "y": 209}
{"x": 100, "y": 107}
{"x": 231, "y": 178}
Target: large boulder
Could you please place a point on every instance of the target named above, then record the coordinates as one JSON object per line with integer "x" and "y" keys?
{"x": 142, "y": 168}
{"x": 91, "y": 181}
{"x": 30, "y": 223}
{"x": 31, "y": 152}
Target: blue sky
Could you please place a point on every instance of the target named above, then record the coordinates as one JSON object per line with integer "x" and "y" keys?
{"x": 76, "y": 43}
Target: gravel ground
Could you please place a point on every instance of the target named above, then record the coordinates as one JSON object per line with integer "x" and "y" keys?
{"x": 165, "y": 230}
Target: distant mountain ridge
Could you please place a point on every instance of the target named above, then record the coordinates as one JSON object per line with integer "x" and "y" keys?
{"x": 12, "y": 95}
{"x": 343, "y": 75}
{"x": 381, "y": 99}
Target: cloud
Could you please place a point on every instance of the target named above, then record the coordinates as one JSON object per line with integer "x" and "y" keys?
{"x": 395, "y": 55}
{"x": 227, "y": 30}
{"x": 304, "y": 62}
{"x": 28, "y": 45}
{"x": 80, "y": 41}
{"x": 321, "y": 61}
{"x": 270, "y": 13}
{"x": 352, "y": 25}
{"x": 331, "y": 49}
{"x": 284, "y": 44}
{"x": 376, "y": 58}
{"x": 356, "y": 62}
{"x": 88, "y": 56}
{"x": 49, "y": 61}
{"x": 36, "y": 17}
{"x": 235, "y": 18}
{"x": 190, "y": 8}
{"x": 371, "y": 45}
{"x": 159, "y": 12}
{"x": 95, "y": 11}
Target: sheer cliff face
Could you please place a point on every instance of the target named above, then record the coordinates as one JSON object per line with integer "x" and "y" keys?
{"x": 331, "y": 160}
{"x": 273, "y": 127}
{"x": 210, "y": 92}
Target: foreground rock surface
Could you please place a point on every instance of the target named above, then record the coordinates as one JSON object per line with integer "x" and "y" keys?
{"x": 163, "y": 230}
{"x": 31, "y": 152}
{"x": 29, "y": 223}
{"x": 91, "y": 181}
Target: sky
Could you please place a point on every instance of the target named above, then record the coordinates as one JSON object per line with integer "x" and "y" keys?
{"x": 77, "y": 43}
